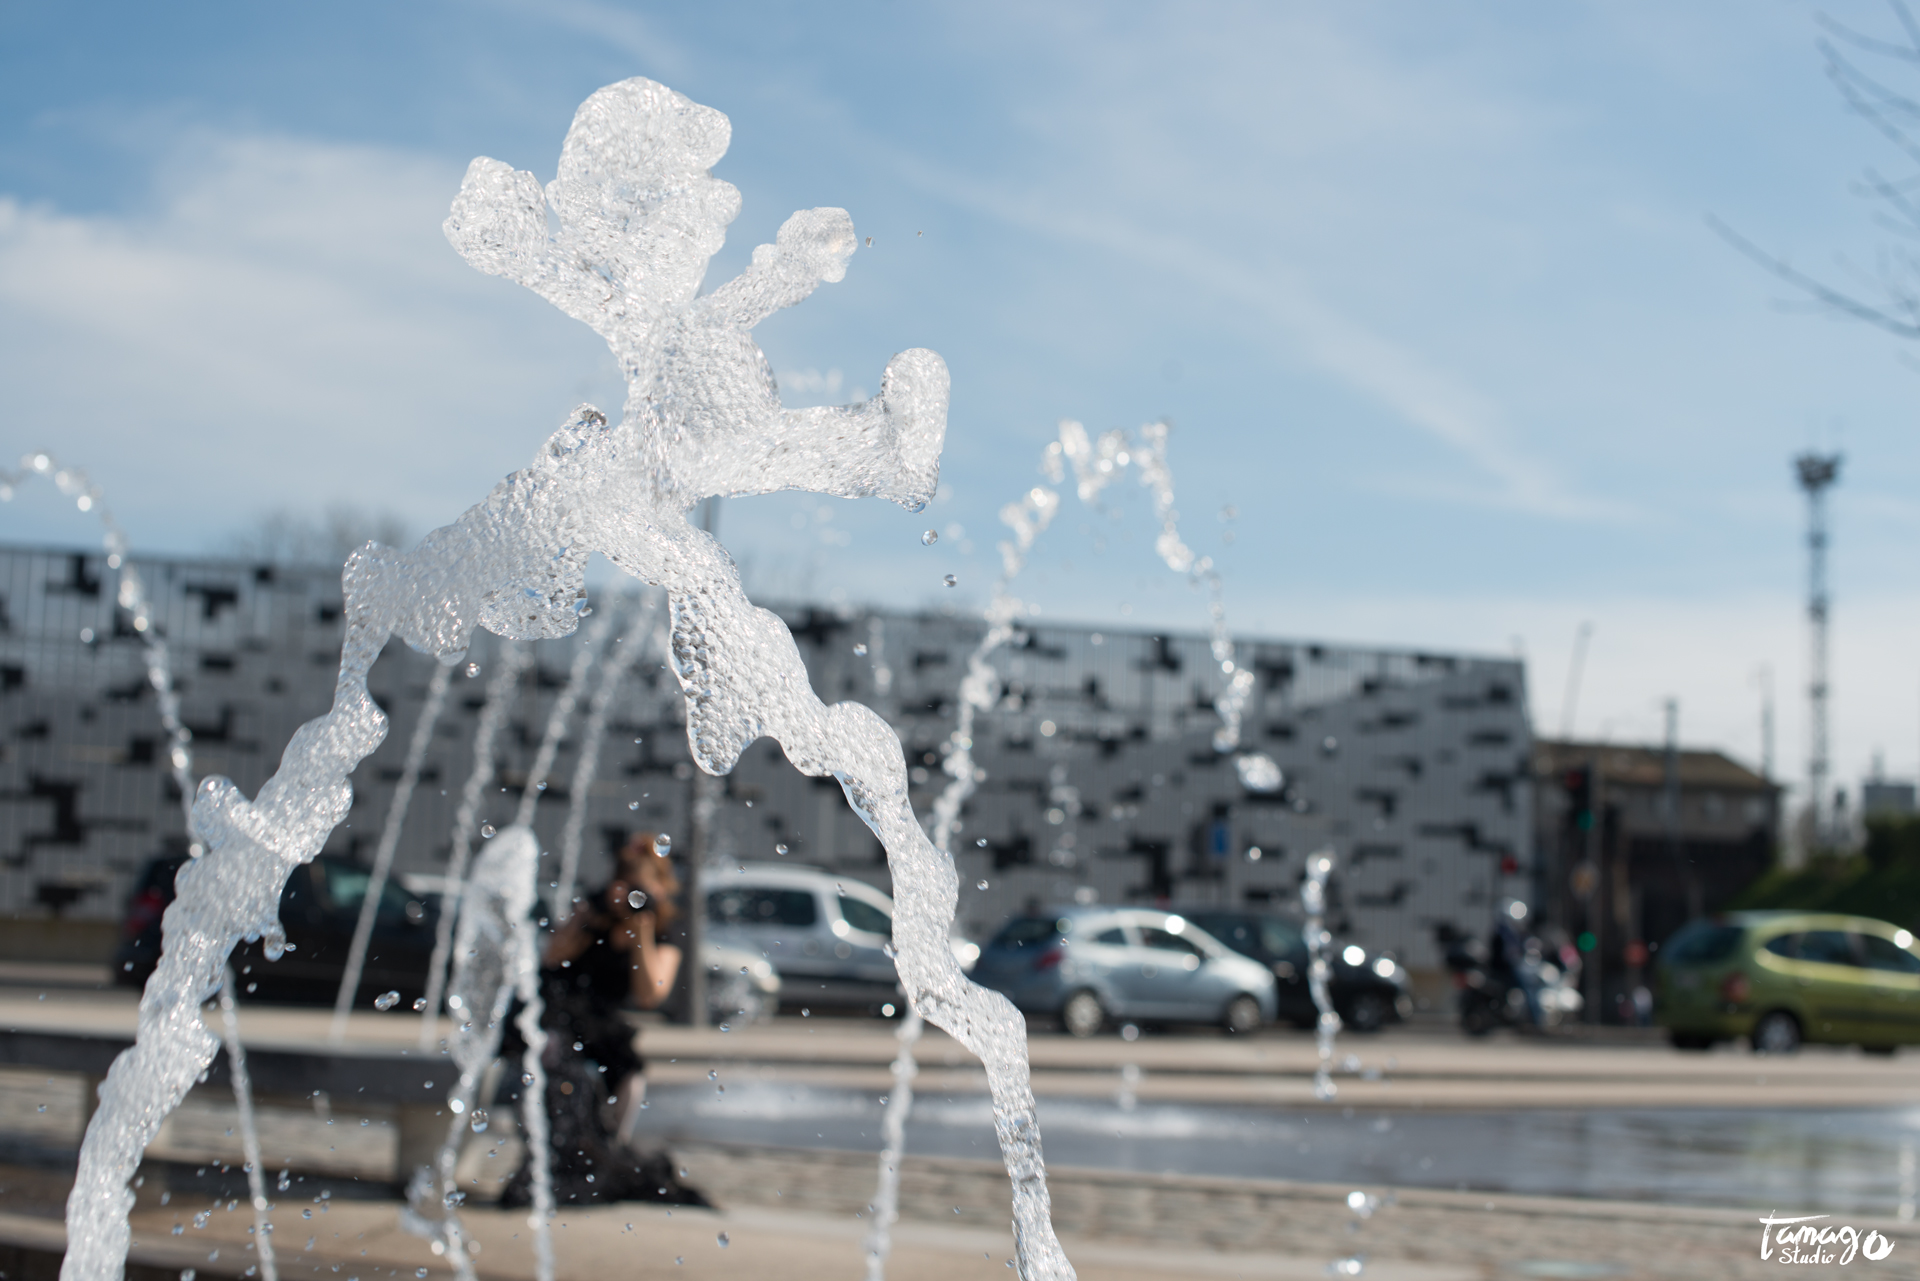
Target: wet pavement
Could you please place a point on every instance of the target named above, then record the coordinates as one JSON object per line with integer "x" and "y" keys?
{"x": 1833, "y": 1160}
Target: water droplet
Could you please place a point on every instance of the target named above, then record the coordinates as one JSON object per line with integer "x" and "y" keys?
{"x": 479, "y": 1121}
{"x": 662, "y": 844}
{"x": 981, "y": 843}
{"x": 200, "y": 1219}
{"x": 473, "y": 669}
{"x": 722, "y": 1239}
{"x": 636, "y": 899}
{"x": 981, "y": 886}
{"x": 778, "y": 849}
{"x": 419, "y": 1004}
{"x": 179, "y": 1228}
{"x": 950, "y": 581}
{"x": 633, "y": 805}
{"x": 713, "y": 1075}
{"x": 188, "y": 1274}
{"x": 420, "y": 1272}
{"x": 386, "y": 1000}
{"x": 929, "y": 538}
{"x": 859, "y": 651}
{"x": 486, "y": 831}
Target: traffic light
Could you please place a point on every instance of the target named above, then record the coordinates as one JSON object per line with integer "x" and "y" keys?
{"x": 1578, "y": 782}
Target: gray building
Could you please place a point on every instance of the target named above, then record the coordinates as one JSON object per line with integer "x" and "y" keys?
{"x": 1101, "y": 781}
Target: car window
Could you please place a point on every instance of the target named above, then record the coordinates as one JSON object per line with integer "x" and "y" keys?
{"x": 1029, "y": 931}
{"x": 345, "y": 887}
{"x": 1113, "y": 937}
{"x": 1784, "y": 945}
{"x": 862, "y": 915}
{"x": 1833, "y": 947}
{"x": 1884, "y": 954}
{"x": 749, "y": 906}
{"x": 1702, "y": 944}
{"x": 1240, "y": 935}
{"x": 1164, "y": 941}
{"x": 1279, "y": 938}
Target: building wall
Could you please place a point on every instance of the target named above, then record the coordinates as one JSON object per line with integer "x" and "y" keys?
{"x": 1100, "y": 776}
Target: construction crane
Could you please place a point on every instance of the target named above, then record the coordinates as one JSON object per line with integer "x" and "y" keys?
{"x": 1817, "y": 472}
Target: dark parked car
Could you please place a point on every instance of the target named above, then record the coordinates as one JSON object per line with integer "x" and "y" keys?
{"x": 1368, "y": 991}
{"x": 318, "y": 909}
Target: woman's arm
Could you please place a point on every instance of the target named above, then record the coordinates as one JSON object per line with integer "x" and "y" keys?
{"x": 568, "y": 942}
{"x": 655, "y": 964}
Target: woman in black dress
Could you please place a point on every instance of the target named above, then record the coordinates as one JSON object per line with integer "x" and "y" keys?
{"x": 614, "y": 948}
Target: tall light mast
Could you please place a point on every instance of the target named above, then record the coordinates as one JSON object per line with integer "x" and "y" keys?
{"x": 1816, "y": 473}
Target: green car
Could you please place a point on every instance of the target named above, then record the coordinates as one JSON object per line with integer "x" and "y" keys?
{"x": 1780, "y": 978}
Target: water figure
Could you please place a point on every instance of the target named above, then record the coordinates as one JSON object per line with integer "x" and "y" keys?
{"x": 637, "y": 218}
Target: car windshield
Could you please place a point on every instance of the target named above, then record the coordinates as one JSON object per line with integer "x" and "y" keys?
{"x": 762, "y": 906}
{"x": 1030, "y": 931}
{"x": 1279, "y": 938}
{"x": 862, "y": 915}
{"x": 346, "y": 886}
{"x": 1702, "y": 944}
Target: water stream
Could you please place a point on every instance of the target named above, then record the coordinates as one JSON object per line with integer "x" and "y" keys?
{"x": 131, "y": 596}
{"x": 249, "y": 1131}
{"x": 509, "y": 661}
{"x": 629, "y": 649}
{"x": 496, "y": 959}
{"x": 383, "y": 853}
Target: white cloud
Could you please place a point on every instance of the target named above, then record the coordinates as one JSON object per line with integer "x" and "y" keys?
{"x": 284, "y": 326}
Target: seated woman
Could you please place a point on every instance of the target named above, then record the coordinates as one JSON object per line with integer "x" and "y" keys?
{"x": 615, "y": 948}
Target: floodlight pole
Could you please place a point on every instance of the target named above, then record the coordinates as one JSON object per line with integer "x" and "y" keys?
{"x": 1817, "y": 472}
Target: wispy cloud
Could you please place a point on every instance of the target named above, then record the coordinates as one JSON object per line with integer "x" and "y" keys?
{"x": 285, "y": 327}
{"x": 1391, "y": 373}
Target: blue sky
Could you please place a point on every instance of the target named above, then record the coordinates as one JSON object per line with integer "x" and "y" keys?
{"x": 1427, "y": 292}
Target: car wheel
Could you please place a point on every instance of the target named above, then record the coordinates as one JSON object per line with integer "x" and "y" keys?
{"x": 1367, "y": 1013}
{"x": 1242, "y": 1015}
{"x": 1777, "y": 1032}
{"x": 1083, "y": 1015}
{"x": 1689, "y": 1041}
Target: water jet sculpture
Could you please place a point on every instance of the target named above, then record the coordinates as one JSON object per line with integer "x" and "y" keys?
{"x": 637, "y": 218}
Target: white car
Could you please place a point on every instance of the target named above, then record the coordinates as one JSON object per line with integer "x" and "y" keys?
{"x": 827, "y": 934}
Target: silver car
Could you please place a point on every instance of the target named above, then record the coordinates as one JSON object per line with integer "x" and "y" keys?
{"x": 826, "y": 935}
{"x": 1094, "y": 966}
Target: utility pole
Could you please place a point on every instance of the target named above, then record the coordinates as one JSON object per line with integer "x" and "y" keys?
{"x": 1574, "y": 669}
{"x": 1596, "y": 877}
{"x": 1817, "y": 472}
{"x": 702, "y": 805}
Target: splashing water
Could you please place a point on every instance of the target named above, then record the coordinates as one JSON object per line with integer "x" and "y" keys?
{"x": 249, "y": 1131}
{"x": 383, "y": 854}
{"x": 496, "y": 959}
{"x": 1313, "y": 905}
{"x": 1096, "y": 464}
{"x": 594, "y": 641}
{"x": 637, "y": 218}
{"x": 625, "y": 653}
{"x": 132, "y": 597}
{"x": 507, "y": 666}
{"x": 886, "y": 1204}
